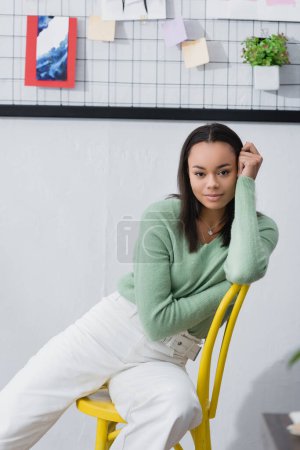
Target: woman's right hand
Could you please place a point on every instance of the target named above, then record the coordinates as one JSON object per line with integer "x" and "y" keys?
{"x": 249, "y": 161}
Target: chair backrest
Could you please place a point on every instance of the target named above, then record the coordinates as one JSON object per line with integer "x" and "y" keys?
{"x": 208, "y": 405}
{"x": 105, "y": 411}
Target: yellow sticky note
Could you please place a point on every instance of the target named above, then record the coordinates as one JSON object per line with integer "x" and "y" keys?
{"x": 195, "y": 53}
{"x": 101, "y": 30}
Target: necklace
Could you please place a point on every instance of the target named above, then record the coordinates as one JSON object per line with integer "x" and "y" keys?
{"x": 210, "y": 229}
{"x": 203, "y": 237}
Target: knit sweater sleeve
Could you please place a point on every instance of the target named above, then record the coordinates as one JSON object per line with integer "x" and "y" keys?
{"x": 160, "y": 312}
{"x": 253, "y": 238}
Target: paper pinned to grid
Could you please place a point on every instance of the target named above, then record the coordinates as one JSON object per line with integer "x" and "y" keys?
{"x": 195, "y": 53}
{"x": 133, "y": 10}
{"x": 174, "y": 31}
{"x": 100, "y": 30}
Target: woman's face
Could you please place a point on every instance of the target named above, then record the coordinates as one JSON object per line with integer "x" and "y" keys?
{"x": 213, "y": 173}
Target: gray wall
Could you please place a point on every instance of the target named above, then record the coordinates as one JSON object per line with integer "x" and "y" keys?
{"x": 64, "y": 187}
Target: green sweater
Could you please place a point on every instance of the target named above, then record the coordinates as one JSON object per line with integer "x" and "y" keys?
{"x": 175, "y": 290}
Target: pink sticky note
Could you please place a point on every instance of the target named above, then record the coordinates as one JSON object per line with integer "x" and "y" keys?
{"x": 174, "y": 32}
{"x": 280, "y": 2}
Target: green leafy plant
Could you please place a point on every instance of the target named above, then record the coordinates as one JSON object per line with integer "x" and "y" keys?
{"x": 295, "y": 357}
{"x": 266, "y": 51}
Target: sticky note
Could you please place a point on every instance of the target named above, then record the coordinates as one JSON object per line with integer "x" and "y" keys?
{"x": 195, "y": 53}
{"x": 100, "y": 30}
{"x": 174, "y": 32}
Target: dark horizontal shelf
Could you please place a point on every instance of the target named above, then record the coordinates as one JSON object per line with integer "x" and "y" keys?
{"x": 142, "y": 113}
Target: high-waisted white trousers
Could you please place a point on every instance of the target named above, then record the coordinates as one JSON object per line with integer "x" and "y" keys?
{"x": 150, "y": 388}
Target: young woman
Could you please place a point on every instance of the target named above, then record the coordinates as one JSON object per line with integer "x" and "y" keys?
{"x": 190, "y": 248}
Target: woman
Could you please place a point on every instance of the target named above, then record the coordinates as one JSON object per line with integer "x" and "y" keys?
{"x": 190, "y": 248}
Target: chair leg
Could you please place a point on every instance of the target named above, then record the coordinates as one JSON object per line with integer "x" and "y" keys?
{"x": 207, "y": 434}
{"x": 207, "y": 442}
{"x": 111, "y": 428}
{"x": 201, "y": 435}
{"x": 178, "y": 447}
{"x": 101, "y": 435}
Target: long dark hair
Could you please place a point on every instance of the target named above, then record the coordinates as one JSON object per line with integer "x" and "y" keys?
{"x": 190, "y": 206}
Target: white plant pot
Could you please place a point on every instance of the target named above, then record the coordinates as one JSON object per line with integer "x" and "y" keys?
{"x": 266, "y": 77}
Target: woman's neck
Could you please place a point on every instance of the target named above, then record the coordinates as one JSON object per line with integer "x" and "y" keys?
{"x": 212, "y": 217}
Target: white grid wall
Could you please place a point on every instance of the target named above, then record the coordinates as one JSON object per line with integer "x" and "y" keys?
{"x": 137, "y": 69}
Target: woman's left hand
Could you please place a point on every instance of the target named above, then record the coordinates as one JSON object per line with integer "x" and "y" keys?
{"x": 250, "y": 161}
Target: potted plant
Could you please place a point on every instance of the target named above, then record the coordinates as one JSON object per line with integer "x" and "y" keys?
{"x": 294, "y": 358}
{"x": 266, "y": 55}
{"x": 294, "y": 428}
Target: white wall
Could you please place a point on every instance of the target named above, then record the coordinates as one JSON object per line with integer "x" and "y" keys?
{"x": 64, "y": 187}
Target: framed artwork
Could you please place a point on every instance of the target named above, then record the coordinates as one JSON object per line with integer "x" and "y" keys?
{"x": 50, "y": 51}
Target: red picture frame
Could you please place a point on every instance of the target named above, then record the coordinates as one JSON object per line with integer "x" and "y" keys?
{"x": 30, "y": 63}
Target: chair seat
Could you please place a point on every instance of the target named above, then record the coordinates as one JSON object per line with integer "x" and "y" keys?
{"x": 99, "y": 405}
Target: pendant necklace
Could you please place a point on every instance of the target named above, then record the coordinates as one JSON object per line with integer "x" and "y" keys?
{"x": 210, "y": 229}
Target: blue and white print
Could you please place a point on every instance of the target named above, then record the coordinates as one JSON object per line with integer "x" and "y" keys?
{"x": 52, "y": 48}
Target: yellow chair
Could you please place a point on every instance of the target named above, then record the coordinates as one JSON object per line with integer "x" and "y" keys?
{"x": 107, "y": 416}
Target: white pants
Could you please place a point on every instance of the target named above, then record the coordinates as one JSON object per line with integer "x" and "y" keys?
{"x": 150, "y": 388}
